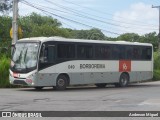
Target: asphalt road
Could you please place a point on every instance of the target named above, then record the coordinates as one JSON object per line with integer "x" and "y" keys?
{"x": 136, "y": 97}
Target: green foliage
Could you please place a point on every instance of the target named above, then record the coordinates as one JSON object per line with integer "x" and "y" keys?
{"x": 94, "y": 34}
{"x": 151, "y": 38}
{"x": 156, "y": 61}
{"x": 5, "y": 40}
{"x": 4, "y": 71}
{"x": 156, "y": 75}
{"x": 5, "y": 26}
{"x": 131, "y": 37}
{"x": 5, "y": 6}
{"x": 39, "y": 20}
{"x": 5, "y": 43}
{"x": 36, "y": 25}
{"x": 147, "y": 38}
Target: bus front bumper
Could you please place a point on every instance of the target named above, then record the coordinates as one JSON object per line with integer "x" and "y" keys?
{"x": 19, "y": 81}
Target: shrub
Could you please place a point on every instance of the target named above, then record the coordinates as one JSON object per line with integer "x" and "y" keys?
{"x": 156, "y": 75}
{"x": 156, "y": 61}
{"x": 4, "y": 71}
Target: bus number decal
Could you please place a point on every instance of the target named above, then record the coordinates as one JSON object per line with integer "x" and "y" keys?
{"x": 71, "y": 66}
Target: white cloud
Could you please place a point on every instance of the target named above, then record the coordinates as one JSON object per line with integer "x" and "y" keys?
{"x": 142, "y": 19}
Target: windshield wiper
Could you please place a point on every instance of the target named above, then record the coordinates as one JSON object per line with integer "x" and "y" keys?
{"x": 25, "y": 55}
{"x": 25, "y": 59}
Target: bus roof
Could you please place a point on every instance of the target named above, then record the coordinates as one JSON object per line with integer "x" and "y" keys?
{"x": 45, "y": 39}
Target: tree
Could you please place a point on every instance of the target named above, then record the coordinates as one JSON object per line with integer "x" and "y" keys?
{"x": 5, "y": 6}
{"x": 110, "y": 38}
{"x": 5, "y": 26}
{"x": 36, "y": 25}
{"x": 95, "y": 34}
{"x": 131, "y": 37}
{"x": 147, "y": 38}
{"x": 151, "y": 38}
{"x": 40, "y": 20}
{"x": 82, "y": 34}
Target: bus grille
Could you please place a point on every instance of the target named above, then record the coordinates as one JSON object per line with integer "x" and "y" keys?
{"x": 19, "y": 82}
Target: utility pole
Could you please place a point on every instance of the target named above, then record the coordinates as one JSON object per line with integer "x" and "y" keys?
{"x": 14, "y": 21}
{"x": 159, "y": 29}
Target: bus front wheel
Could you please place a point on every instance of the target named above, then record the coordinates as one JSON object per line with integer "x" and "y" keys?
{"x": 61, "y": 83}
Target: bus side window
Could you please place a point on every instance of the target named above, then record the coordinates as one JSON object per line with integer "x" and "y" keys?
{"x": 89, "y": 52}
{"x": 149, "y": 53}
{"x": 137, "y": 53}
{"x": 47, "y": 54}
{"x": 129, "y": 52}
{"x": 146, "y": 53}
{"x": 115, "y": 52}
{"x": 122, "y": 53}
{"x": 51, "y": 54}
{"x": 66, "y": 51}
{"x": 85, "y": 51}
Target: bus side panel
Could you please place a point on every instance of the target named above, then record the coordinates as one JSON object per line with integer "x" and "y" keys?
{"x": 47, "y": 77}
{"x": 80, "y": 73}
{"x": 142, "y": 70}
{"x": 92, "y": 78}
{"x": 76, "y": 78}
{"x": 107, "y": 77}
{"x": 87, "y": 72}
{"x": 133, "y": 76}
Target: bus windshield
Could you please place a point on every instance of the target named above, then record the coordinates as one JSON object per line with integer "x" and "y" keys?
{"x": 24, "y": 58}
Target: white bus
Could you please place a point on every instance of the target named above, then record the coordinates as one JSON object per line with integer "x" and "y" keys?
{"x": 59, "y": 62}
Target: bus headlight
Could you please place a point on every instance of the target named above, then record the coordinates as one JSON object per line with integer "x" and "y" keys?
{"x": 28, "y": 80}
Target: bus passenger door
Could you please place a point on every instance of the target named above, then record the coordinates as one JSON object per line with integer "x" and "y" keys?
{"x": 46, "y": 74}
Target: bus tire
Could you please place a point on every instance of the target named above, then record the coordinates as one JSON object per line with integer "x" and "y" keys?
{"x": 101, "y": 85}
{"x": 38, "y": 88}
{"x": 123, "y": 80}
{"x": 61, "y": 82}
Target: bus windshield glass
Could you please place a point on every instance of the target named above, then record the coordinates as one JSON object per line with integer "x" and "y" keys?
{"x": 24, "y": 58}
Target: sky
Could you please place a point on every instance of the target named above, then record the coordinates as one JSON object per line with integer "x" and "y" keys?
{"x": 112, "y": 17}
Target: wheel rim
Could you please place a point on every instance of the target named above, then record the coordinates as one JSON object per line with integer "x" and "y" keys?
{"x": 61, "y": 82}
{"x": 124, "y": 81}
